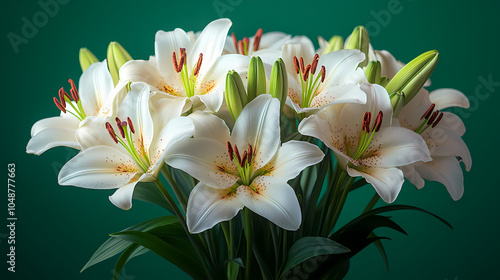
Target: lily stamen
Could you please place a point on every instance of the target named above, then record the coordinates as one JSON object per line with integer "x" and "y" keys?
{"x": 430, "y": 119}
{"x": 65, "y": 98}
{"x": 188, "y": 80}
{"x": 310, "y": 81}
{"x": 367, "y": 134}
{"x": 241, "y": 46}
{"x": 126, "y": 130}
{"x": 243, "y": 162}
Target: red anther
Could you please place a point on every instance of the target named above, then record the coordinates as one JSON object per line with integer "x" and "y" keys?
{"x": 242, "y": 48}
{"x": 256, "y": 39}
{"x": 323, "y": 73}
{"x": 61, "y": 98}
{"x": 366, "y": 122}
{"x": 314, "y": 64}
{"x": 130, "y": 125}
{"x": 296, "y": 64}
{"x": 237, "y": 154}
{"x": 428, "y": 113}
{"x": 433, "y": 117}
{"x": 118, "y": 121}
{"x": 176, "y": 66}
{"x": 302, "y": 64}
{"x": 74, "y": 91}
{"x": 244, "y": 158}
{"x": 120, "y": 128}
{"x": 182, "y": 61}
{"x": 306, "y": 73}
{"x": 250, "y": 153}
{"x": 65, "y": 93}
{"x": 235, "y": 42}
{"x": 438, "y": 119}
{"x": 230, "y": 149}
{"x": 59, "y": 105}
{"x": 378, "y": 121}
{"x": 111, "y": 132}
{"x": 183, "y": 51}
{"x": 198, "y": 65}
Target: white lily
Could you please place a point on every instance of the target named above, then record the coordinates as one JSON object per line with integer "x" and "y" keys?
{"x": 442, "y": 131}
{"x": 96, "y": 98}
{"x": 247, "y": 168}
{"x": 267, "y": 46}
{"x": 188, "y": 72}
{"x": 328, "y": 79}
{"x": 365, "y": 146}
{"x": 135, "y": 154}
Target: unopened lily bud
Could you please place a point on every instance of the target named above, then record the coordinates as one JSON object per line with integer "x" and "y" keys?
{"x": 236, "y": 97}
{"x": 334, "y": 44}
{"x": 117, "y": 56}
{"x": 256, "y": 83}
{"x": 279, "y": 82}
{"x": 360, "y": 40}
{"x": 413, "y": 76}
{"x": 384, "y": 81}
{"x": 397, "y": 102}
{"x": 373, "y": 72}
{"x": 86, "y": 58}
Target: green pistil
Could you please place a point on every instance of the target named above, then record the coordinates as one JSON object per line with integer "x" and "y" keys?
{"x": 189, "y": 81}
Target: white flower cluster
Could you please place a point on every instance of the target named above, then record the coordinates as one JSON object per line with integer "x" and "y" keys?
{"x": 172, "y": 109}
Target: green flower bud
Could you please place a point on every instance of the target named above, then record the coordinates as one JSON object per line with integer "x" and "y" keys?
{"x": 279, "y": 82}
{"x": 236, "y": 97}
{"x": 384, "y": 81}
{"x": 117, "y": 56}
{"x": 86, "y": 58}
{"x": 413, "y": 76}
{"x": 334, "y": 44}
{"x": 360, "y": 40}
{"x": 397, "y": 102}
{"x": 373, "y": 72}
{"x": 256, "y": 83}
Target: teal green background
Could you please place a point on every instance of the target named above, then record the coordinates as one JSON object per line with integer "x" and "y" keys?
{"x": 59, "y": 228}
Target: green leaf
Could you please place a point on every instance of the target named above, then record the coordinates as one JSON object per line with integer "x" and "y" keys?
{"x": 358, "y": 184}
{"x": 309, "y": 247}
{"x": 381, "y": 249}
{"x": 113, "y": 245}
{"x": 149, "y": 192}
{"x": 132, "y": 251}
{"x": 170, "y": 252}
{"x": 405, "y": 207}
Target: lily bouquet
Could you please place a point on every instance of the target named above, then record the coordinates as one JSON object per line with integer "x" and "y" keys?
{"x": 253, "y": 146}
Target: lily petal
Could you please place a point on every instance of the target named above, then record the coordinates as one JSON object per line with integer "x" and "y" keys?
{"x": 167, "y": 43}
{"x": 339, "y": 66}
{"x": 395, "y": 146}
{"x": 205, "y": 159}
{"x": 209, "y": 206}
{"x": 259, "y": 126}
{"x": 412, "y": 175}
{"x": 210, "y": 43}
{"x": 443, "y": 142}
{"x": 99, "y": 167}
{"x": 68, "y": 122}
{"x": 274, "y": 200}
{"x": 386, "y": 181}
{"x": 445, "y": 170}
{"x": 207, "y": 125}
{"x": 95, "y": 86}
{"x": 292, "y": 158}
{"x": 144, "y": 71}
{"x": 50, "y": 138}
{"x": 122, "y": 198}
{"x": 448, "y": 97}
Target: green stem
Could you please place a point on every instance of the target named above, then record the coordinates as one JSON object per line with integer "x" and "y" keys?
{"x": 182, "y": 220}
{"x": 372, "y": 203}
{"x": 248, "y": 234}
{"x": 175, "y": 187}
{"x": 341, "y": 203}
{"x": 334, "y": 203}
